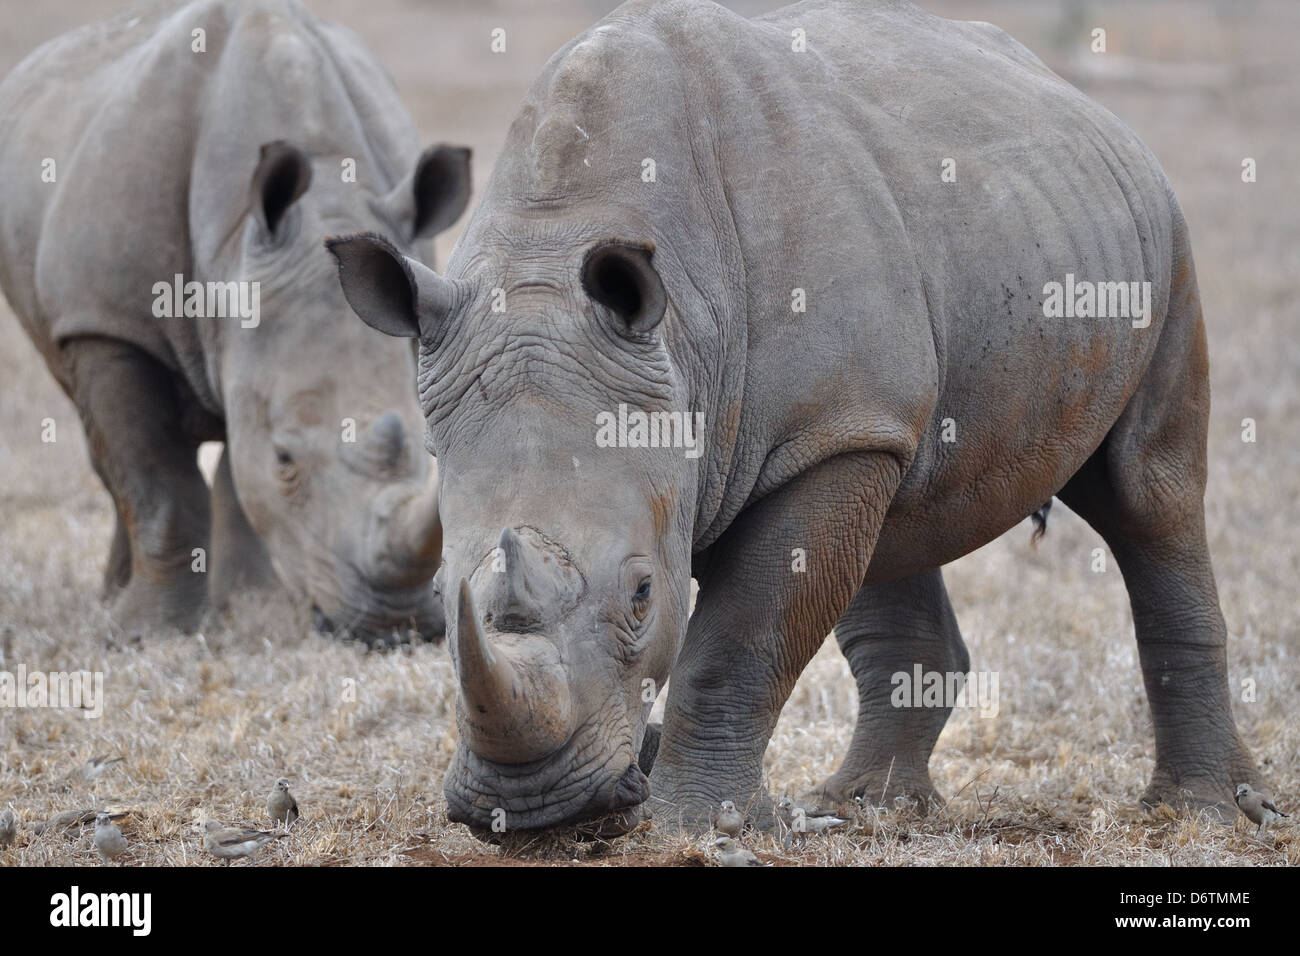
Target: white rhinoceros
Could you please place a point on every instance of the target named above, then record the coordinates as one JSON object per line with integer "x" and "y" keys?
{"x": 168, "y": 176}
{"x": 915, "y": 284}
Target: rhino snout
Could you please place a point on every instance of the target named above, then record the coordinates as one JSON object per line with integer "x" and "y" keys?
{"x": 561, "y": 790}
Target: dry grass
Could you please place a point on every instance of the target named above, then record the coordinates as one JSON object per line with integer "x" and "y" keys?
{"x": 207, "y": 723}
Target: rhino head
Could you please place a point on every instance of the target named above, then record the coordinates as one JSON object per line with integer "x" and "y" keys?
{"x": 323, "y": 422}
{"x": 566, "y": 561}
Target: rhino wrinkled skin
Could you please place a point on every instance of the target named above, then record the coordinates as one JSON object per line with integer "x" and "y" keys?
{"x": 213, "y": 165}
{"x": 825, "y": 496}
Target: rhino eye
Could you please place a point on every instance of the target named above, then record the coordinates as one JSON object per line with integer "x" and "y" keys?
{"x": 285, "y": 468}
{"x": 641, "y": 599}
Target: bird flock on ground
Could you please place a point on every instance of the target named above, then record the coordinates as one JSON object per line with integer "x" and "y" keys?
{"x": 226, "y": 843}
{"x": 795, "y": 822}
{"x": 799, "y": 822}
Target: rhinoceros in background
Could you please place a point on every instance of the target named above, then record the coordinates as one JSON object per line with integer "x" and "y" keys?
{"x": 214, "y": 143}
{"x": 697, "y": 213}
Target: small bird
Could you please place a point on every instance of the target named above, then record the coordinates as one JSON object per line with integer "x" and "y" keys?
{"x": 228, "y": 843}
{"x": 96, "y": 767}
{"x": 731, "y": 853}
{"x": 108, "y": 838}
{"x": 73, "y": 819}
{"x": 796, "y": 819}
{"x": 280, "y": 804}
{"x": 729, "y": 820}
{"x": 8, "y": 828}
{"x": 1256, "y": 808}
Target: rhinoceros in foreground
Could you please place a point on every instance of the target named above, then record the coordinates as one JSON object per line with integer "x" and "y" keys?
{"x": 678, "y": 182}
{"x": 167, "y": 178}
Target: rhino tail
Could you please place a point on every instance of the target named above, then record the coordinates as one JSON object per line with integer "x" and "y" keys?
{"x": 1039, "y": 518}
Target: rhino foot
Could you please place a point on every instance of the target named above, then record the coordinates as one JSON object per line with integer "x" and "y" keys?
{"x": 879, "y": 788}
{"x": 144, "y": 607}
{"x": 1189, "y": 804}
{"x": 1194, "y": 798}
{"x": 690, "y": 811}
{"x": 1197, "y": 792}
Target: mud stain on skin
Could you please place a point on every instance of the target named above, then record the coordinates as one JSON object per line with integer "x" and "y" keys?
{"x": 662, "y": 505}
{"x": 731, "y": 425}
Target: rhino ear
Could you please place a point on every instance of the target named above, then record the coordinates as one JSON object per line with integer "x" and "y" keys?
{"x": 621, "y": 277}
{"x": 389, "y": 291}
{"x": 434, "y": 195}
{"x": 283, "y": 174}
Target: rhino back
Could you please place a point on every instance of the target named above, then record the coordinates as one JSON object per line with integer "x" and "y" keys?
{"x": 154, "y": 146}
{"x": 778, "y": 170}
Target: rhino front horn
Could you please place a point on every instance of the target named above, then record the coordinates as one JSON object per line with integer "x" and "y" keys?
{"x": 515, "y": 701}
{"x": 488, "y": 684}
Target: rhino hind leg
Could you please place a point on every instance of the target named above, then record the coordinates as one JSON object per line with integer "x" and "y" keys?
{"x": 240, "y": 561}
{"x": 1143, "y": 492}
{"x": 889, "y": 629}
{"x": 760, "y": 617}
{"x": 147, "y": 461}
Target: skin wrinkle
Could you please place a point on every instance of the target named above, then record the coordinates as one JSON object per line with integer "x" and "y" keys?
{"x": 579, "y": 382}
{"x": 440, "y": 391}
{"x": 1127, "y": 186}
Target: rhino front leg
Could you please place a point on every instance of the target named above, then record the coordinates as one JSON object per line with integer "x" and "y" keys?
{"x": 240, "y": 561}
{"x": 129, "y": 407}
{"x": 890, "y": 629}
{"x": 770, "y": 590}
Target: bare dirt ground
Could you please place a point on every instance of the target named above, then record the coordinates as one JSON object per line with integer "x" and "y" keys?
{"x": 207, "y": 722}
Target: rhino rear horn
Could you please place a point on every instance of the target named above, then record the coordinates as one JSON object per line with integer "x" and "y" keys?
{"x": 386, "y": 441}
{"x": 518, "y": 606}
{"x": 391, "y": 292}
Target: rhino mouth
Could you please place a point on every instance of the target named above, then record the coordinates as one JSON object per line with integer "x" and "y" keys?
{"x": 551, "y": 792}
